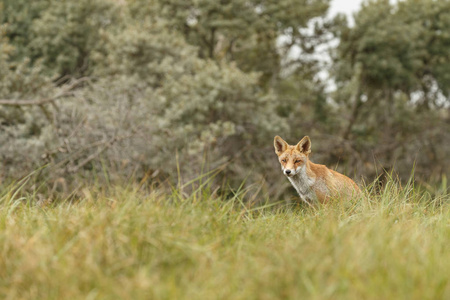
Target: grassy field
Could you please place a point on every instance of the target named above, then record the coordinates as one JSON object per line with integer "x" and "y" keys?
{"x": 133, "y": 243}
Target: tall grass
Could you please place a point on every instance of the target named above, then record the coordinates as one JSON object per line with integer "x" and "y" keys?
{"x": 130, "y": 242}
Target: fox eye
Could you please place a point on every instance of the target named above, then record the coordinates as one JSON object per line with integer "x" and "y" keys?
{"x": 284, "y": 160}
{"x": 297, "y": 161}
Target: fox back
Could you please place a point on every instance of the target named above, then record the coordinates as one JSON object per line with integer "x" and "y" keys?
{"x": 313, "y": 182}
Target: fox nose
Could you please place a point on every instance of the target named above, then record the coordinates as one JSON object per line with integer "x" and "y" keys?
{"x": 287, "y": 172}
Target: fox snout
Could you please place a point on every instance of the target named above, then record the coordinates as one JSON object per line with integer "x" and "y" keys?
{"x": 290, "y": 172}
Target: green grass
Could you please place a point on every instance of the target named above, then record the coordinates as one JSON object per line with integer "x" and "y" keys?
{"x": 129, "y": 243}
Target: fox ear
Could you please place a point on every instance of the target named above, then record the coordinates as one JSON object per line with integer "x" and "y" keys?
{"x": 304, "y": 145}
{"x": 280, "y": 145}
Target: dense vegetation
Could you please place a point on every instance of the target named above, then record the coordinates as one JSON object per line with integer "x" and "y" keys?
{"x": 136, "y": 87}
{"x": 134, "y": 242}
{"x": 136, "y": 155}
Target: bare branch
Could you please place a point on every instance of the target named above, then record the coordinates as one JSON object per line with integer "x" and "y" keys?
{"x": 105, "y": 145}
{"x": 65, "y": 93}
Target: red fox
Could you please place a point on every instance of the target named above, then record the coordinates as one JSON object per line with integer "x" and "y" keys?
{"x": 313, "y": 182}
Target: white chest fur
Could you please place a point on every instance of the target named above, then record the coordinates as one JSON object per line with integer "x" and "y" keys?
{"x": 304, "y": 185}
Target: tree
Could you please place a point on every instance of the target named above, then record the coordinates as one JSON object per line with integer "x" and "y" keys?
{"x": 187, "y": 104}
{"x": 25, "y": 130}
{"x": 62, "y": 34}
{"x": 245, "y": 32}
{"x": 19, "y": 16}
{"x": 390, "y": 70}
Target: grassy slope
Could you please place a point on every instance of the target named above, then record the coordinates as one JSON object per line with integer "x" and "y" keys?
{"x": 126, "y": 244}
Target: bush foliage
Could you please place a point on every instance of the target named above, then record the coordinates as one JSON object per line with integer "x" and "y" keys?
{"x": 146, "y": 86}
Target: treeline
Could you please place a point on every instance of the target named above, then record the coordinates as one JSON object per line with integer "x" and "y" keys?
{"x": 137, "y": 87}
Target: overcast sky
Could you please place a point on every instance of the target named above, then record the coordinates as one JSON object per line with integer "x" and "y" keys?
{"x": 344, "y": 6}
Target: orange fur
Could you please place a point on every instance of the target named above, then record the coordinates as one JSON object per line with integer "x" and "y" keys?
{"x": 312, "y": 181}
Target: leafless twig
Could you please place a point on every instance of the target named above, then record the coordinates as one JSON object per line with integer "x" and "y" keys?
{"x": 67, "y": 91}
{"x": 104, "y": 146}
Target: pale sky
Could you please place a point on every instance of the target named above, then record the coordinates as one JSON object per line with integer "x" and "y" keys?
{"x": 344, "y": 6}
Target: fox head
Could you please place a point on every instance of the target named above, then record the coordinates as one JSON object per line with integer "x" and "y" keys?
{"x": 292, "y": 158}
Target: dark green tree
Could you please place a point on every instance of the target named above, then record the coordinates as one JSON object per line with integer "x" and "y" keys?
{"x": 391, "y": 70}
{"x": 245, "y": 32}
